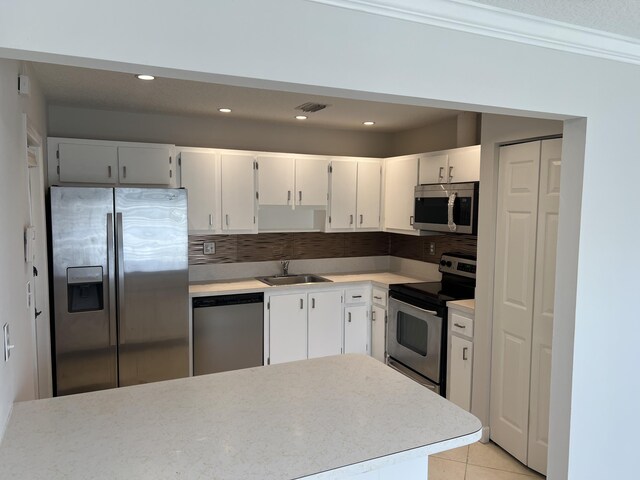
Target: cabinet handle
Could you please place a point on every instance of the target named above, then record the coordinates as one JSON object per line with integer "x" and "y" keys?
{"x": 301, "y": 304}
{"x": 411, "y": 220}
{"x": 361, "y": 218}
{"x": 351, "y": 219}
{"x": 313, "y": 303}
{"x": 124, "y": 172}
{"x": 373, "y": 315}
{"x": 226, "y": 219}
{"x": 459, "y": 326}
{"x": 377, "y": 298}
{"x": 356, "y": 296}
{"x": 441, "y": 173}
{"x": 109, "y": 170}
{"x": 288, "y": 196}
{"x": 210, "y": 219}
{"x": 300, "y": 196}
{"x": 464, "y": 353}
{"x": 349, "y": 317}
{"x": 450, "y": 173}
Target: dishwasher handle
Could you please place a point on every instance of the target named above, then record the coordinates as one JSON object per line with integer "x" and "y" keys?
{"x": 222, "y": 300}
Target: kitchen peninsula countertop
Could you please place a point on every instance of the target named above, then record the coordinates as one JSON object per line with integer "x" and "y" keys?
{"x": 276, "y": 422}
{"x": 252, "y": 285}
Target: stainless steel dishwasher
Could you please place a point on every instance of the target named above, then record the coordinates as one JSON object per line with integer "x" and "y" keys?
{"x": 228, "y": 332}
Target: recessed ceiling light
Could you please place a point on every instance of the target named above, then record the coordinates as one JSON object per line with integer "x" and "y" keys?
{"x": 368, "y": 122}
{"x": 145, "y": 77}
{"x": 301, "y": 117}
{"x": 224, "y": 110}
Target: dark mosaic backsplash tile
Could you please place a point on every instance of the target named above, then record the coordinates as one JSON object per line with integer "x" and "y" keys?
{"x": 284, "y": 246}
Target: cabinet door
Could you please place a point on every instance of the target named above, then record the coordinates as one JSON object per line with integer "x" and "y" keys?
{"x": 356, "y": 329}
{"x": 378, "y": 332}
{"x": 400, "y": 181}
{"x": 145, "y": 165}
{"x": 368, "y": 195}
{"x": 198, "y": 175}
{"x": 87, "y": 163}
{"x": 312, "y": 181}
{"x": 238, "y": 192}
{"x": 461, "y": 358}
{"x": 342, "y": 209}
{"x": 287, "y": 328}
{"x": 464, "y": 164}
{"x": 433, "y": 168}
{"x": 325, "y": 323}
{"x": 275, "y": 180}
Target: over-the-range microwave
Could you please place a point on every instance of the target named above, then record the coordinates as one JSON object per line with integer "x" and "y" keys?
{"x": 447, "y": 207}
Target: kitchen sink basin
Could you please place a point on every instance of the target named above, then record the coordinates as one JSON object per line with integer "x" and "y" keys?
{"x": 277, "y": 280}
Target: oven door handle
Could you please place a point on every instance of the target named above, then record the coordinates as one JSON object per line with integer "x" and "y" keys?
{"x": 432, "y": 312}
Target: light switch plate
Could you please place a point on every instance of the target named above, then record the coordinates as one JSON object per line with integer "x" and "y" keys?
{"x": 209, "y": 248}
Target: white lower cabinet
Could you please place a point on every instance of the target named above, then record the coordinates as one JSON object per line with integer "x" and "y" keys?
{"x": 287, "y": 328}
{"x": 325, "y": 323}
{"x": 356, "y": 329}
{"x": 460, "y": 358}
{"x": 379, "y": 324}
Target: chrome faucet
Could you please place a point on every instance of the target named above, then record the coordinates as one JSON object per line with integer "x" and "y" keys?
{"x": 285, "y": 267}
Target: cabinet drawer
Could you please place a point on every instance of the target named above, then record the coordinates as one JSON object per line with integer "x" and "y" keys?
{"x": 356, "y": 295}
{"x": 462, "y": 325}
{"x": 380, "y": 297}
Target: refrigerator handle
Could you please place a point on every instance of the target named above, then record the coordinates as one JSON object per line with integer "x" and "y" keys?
{"x": 111, "y": 275}
{"x": 120, "y": 257}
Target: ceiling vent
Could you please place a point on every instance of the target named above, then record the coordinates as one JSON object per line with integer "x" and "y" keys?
{"x": 311, "y": 107}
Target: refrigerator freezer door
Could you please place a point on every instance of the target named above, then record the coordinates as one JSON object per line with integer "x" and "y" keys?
{"x": 85, "y": 330}
{"x": 153, "y": 280}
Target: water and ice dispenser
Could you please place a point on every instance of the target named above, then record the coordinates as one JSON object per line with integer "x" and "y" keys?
{"x": 85, "y": 289}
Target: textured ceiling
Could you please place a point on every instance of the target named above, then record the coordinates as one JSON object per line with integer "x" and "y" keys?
{"x": 621, "y": 17}
{"x": 100, "y": 89}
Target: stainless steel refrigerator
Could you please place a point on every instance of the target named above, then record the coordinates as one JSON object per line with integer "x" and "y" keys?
{"x": 120, "y": 286}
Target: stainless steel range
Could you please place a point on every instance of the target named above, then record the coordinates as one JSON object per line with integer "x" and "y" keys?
{"x": 417, "y": 326}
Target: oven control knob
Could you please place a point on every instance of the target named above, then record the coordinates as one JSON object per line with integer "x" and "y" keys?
{"x": 449, "y": 263}
{"x": 443, "y": 263}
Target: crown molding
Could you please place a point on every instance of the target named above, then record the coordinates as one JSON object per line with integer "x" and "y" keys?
{"x": 471, "y": 17}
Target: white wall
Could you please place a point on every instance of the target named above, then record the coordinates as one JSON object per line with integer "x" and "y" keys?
{"x": 496, "y": 130}
{"x": 309, "y": 47}
{"x": 17, "y": 376}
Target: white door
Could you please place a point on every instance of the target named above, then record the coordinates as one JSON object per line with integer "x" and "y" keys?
{"x": 342, "y": 209}
{"x": 275, "y": 180}
{"x": 145, "y": 165}
{"x": 325, "y": 323}
{"x": 312, "y": 181}
{"x": 87, "y": 163}
{"x": 378, "y": 330}
{"x": 368, "y": 195}
{"x": 287, "y": 328}
{"x": 198, "y": 176}
{"x": 548, "y": 208}
{"x": 513, "y": 296}
{"x": 433, "y": 168}
{"x": 238, "y": 192}
{"x": 460, "y": 372}
{"x": 464, "y": 164}
{"x": 401, "y": 177}
{"x": 356, "y": 329}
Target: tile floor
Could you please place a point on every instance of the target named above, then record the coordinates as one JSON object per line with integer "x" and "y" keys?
{"x": 478, "y": 461}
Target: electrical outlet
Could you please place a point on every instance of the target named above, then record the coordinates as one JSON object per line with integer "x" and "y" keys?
{"x": 6, "y": 342}
{"x": 209, "y": 248}
{"x": 432, "y": 248}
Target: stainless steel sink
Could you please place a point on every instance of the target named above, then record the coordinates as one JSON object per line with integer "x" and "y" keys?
{"x": 277, "y": 280}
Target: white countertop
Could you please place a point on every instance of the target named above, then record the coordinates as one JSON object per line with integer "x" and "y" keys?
{"x": 275, "y": 422}
{"x": 468, "y": 306}
{"x": 252, "y": 285}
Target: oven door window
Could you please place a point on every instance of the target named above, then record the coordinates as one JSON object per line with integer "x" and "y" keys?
{"x": 413, "y": 333}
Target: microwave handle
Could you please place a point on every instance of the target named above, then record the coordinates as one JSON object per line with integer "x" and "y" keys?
{"x": 452, "y": 200}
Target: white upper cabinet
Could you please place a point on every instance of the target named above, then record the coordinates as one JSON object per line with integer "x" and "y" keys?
{"x": 312, "y": 181}
{"x": 198, "y": 176}
{"x": 342, "y": 203}
{"x": 142, "y": 165}
{"x": 401, "y": 178}
{"x": 237, "y": 177}
{"x": 78, "y": 161}
{"x": 368, "y": 195}
{"x": 275, "y": 180}
{"x": 457, "y": 165}
{"x": 81, "y": 163}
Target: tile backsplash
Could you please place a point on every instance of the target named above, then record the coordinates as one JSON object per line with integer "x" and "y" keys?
{"x": 292, "y": 246}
